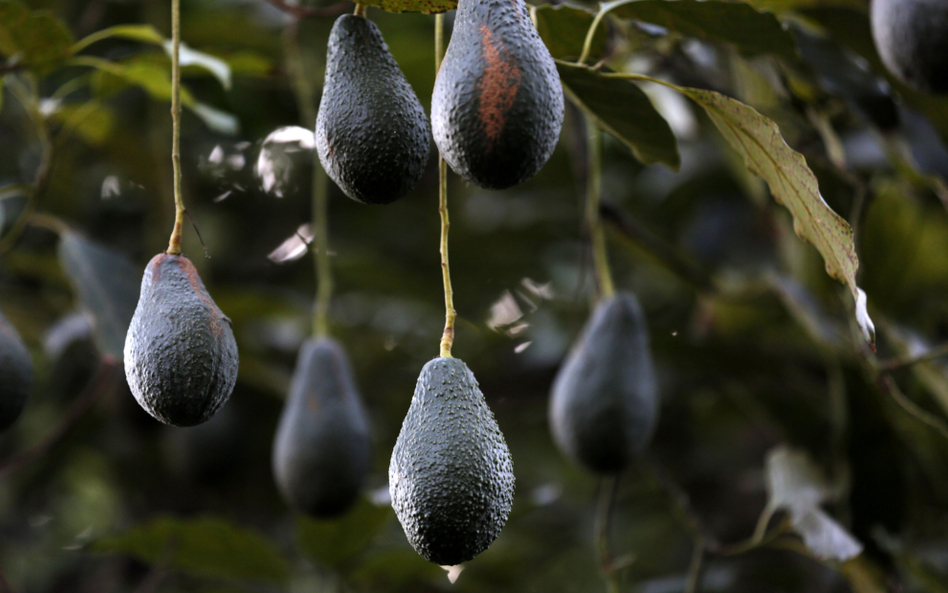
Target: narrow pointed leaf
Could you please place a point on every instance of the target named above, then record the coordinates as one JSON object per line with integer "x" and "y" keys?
{"x": 792, "y": 183}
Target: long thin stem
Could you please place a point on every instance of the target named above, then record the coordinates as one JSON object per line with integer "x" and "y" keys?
{"x": 323, "y": 266}
{"x": 306, "y": 98}
{"x": 447, "y": 339}
{"x": 608, "y": 488}
{"x": 593, "y": 221}
{"x": 174, "y": 244}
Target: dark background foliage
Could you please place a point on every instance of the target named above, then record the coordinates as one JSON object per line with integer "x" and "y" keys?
{"x": 756, "y": 347}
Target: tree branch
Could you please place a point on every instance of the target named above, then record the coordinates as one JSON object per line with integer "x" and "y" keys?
{"x": 305, "y": 12}
{"x": 657, "y": 247}
{"x": 97, "y": 386}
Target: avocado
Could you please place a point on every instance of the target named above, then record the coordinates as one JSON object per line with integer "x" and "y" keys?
{"x": 497, "y": 107}
{"x": 372, "y": 135}
{"x": 604, "y": 402}
{"x": 16, "y": 374}
{"x": 912, "y": 39}
{"x": 322, "y": 449}
{"x": 451, "y": 476}
{"x": 180, "y": 352}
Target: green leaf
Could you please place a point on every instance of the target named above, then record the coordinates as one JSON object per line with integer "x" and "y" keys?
{"x": 425, "y": 6}
{"x": 92, "y": 120}
{"x": 563, "y": 29}
{"x": 749, "y": 30}
{"x": 107, "y": 285}
{"x": 38, "y": 39}
{"x": 334, "y": 543}
{"x": 792, "y": 183}
{"x": 143, "y": 33}
{"x": 192, "y": 57}
{"x": 621, "y": 108}
{"x": 152, "y": 73}
{"x": 204, "y": 547}
{"x": 796, "y": 485}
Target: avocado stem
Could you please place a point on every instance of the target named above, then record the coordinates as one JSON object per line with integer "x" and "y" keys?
{"x": 306, "y": 98}
{"x": 607, "y": 491}
{"x": 174, "y": 244}
{"x": 447, "y": 339}
{"x": 593, "y": 219}
{"x": 360, "y": 9}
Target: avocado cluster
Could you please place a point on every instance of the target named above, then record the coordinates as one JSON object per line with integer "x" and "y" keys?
{"x": 912, "y": 39}
{"x": 322, "y": 449}
{"x": 16, "y": 374}
{"x": 180, "y": 352}
{"x": 604, "y": 402}
{"x": 451, "y": 475}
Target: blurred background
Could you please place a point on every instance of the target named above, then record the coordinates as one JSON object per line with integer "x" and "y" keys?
{"x": 755, "y": 346}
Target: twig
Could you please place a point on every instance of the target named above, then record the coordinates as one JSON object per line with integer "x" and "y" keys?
{"x": 693, "y": 582}
{"x": 889, "y": 386}
{"x": 96, "y": 387}
{"x": 306, "y": 98}
{"x": 899, "y": 363}
{"x": 450, "y": 314}
{"x": 593, "y": 221}
{"x": 656, "y": 246}
{"x": 607, "y": 491}
{"x": 174, "y": 244}
{"x": 305, "y": 12}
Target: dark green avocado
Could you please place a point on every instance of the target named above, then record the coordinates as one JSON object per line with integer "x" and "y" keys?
{"x": 16, "y": 374}
{"x": 497, "y": 108}
{"x": 912, "y": 39}
{"x": 605, "y": 400}
{"x": 180, "y": 353}
{"x": 322, "y": 449}
{"x": 451, "y": 477}
{"x": 372, "y": 135}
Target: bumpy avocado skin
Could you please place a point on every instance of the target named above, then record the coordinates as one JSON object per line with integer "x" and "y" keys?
{"x": 180, "y": 352}
{"x": 912, "y": 39}
{"x": 322, "y": 449}
{"x": 372, "y": 135}
{"x": 451, "y": 476}
{"x": 16, "y": 374}
{"x": 497, "y": 108}
{"x": 604, "y": 402}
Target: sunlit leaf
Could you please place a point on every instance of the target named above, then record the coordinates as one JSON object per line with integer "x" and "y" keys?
{"x": 796, "y": 484}
{"x": 792, "y": 183}
{"x": 107, "y": 285}
{"x": 192, "y": 57}
{"x": 207, "y": 547}
{"x": 751, "y": 31}
{"x": 621, "y": 108}
{"x": 143, "y": 33}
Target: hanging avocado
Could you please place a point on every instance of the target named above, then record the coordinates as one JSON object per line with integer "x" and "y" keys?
{"x": 605, "y": 401}
{"x": 912, "y": 39}
{"x": 180, "y": 353}
{"x": 451, "y": 476}
{"x": 372, "y": 135}
{"x": 322, "y": 449}
{"x": 16, "y": 374}
{"x": 497, "y": 108}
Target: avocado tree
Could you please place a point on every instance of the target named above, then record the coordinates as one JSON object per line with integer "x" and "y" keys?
{"x": 699, "y": 255}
